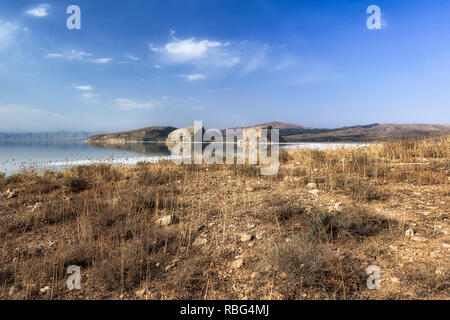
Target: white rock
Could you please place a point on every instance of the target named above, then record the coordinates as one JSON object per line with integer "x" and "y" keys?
{"x": 410, "y": 232}
{"x": 36, "y": 207}
{"x": 44, "y": 290}
{"x": 199, "y": 242}
{"x": 311, "y": 185}
{"x": 255, "y": 275}
{"x": 140, "y": 293}
{"x": 246, "y": 237}
{"x": 165, "y": 221}
{"x": 314, "y": 192}
{"x": 9, "y": 194}
{"x": 237, "y": 264}
{"x": 395, "y": 280}
{"x": 440, "y": 271}
{"x": 419, "y": 239}
{"x": 260, "y": 235}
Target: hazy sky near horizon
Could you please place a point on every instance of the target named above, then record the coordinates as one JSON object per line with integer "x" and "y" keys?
{"x": 139, "y": 63}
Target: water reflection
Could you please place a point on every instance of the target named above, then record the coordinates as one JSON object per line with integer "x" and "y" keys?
{"x": 147, "y": 148}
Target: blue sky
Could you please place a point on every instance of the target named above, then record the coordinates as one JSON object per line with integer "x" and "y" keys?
{"x": 139, "y": 63}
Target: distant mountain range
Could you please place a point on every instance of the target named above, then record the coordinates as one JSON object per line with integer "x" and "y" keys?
{"x": 297, "y": 133}
{"x": 45, "y": 136}
{"x": 289, "y": 132}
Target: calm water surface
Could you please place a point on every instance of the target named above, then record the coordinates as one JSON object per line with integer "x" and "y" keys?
{"x": 59, "y": 155}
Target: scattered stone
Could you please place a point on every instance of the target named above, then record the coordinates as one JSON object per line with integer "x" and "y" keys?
{"x": 44, "y": 290}
{"x": 311, "y": 185}
{"x": 250, "y": 226}
{"x": 199, "y": 242}
{"x": 410, "y": 232}
{"x": 9, "y": 194}
{"x": 165, "y": 221}
{"x": 419, "y": 239}
{"x": 140, "y": 293}
{"x": 260, "y": 235}
{"x": 36, "y": 207}
{"x": 446, "y": 245}
{"x": 246, "y": 237}
{"x": 440, "y": 271}
{"x": 237, "y": 264}
{"x": 12, "y": 291}
{"x": 395, "y": 280}
{"x": 255, "y": 275}
{"x": 283, "y": 275}
{"x": 314, "y": 192}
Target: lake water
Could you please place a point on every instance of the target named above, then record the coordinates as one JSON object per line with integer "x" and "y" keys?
{"x": 58, "y": 155}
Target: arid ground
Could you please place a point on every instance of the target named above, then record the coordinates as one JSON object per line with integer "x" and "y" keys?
{"x": 162, "y": 231}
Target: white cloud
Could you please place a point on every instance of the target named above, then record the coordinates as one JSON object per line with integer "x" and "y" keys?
{"x": 7, "y": 31}
{"x": 83, "y": 88}
{"x": 194, "y": 77}
{"x": 102, "y": 60}
{"x": 128, "y": 104}
{"x": 40, "y": 11}
{"x": 54, "y": 55}
{"x": 88, "y": 95}
{"x": 132, "y": 57}
{"x": 78, "y": 55}
{"x": 188, "y": 49}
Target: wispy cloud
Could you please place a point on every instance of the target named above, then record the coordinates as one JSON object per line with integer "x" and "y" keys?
{"x": 39, "y": 11}
{"x": 83, "y": 87}
{"x": 78, "y": 55}
{"x": 7, "y": 33}
{"x": 194, "y": 76}
{"x": 129, "y": 104}
{"x": 198, "y": 52}
{"x": 102, "y": 60}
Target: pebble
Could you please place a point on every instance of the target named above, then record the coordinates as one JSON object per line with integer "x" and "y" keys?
{"x": 410, "y": 232}
{"x": 260, "y": 235}
{"x": 246, "y": 237}
{"x": 314, "y": 192}
{"x": 237, "y": 264}
{"x": 165, "y": 221}
{"x": 395, "y": 280}
{"x": 44, "y": 290}
{"x": 419, "y": 239}
{"x": 199, "y": 242}
{"x": 255, "y": 275}
{"x": 311, "y": 185}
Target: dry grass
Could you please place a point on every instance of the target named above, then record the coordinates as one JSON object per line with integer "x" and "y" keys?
{"x": 102, "y": 218}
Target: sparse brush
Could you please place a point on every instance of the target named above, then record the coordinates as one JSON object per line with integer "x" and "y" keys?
{"x": 314, "y": 267}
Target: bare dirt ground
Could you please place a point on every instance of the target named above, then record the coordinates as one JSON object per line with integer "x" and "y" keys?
{"x": 226, "y": 232}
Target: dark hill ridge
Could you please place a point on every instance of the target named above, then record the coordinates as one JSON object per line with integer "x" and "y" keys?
{"x": 296, "y": 133}
{"x": 372, "y": 132}
{"x": 149, "y": 134}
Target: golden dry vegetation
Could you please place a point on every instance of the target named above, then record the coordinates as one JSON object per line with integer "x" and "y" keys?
{"x": 307, "y": 233}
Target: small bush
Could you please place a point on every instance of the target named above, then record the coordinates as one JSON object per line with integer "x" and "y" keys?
{"x": 314, "y": 267}
{"x": 76, "y": 184}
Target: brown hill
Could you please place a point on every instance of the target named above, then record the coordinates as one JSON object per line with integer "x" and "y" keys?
{"x": 372, "y": 132}
{"x": 150, "y": 134}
